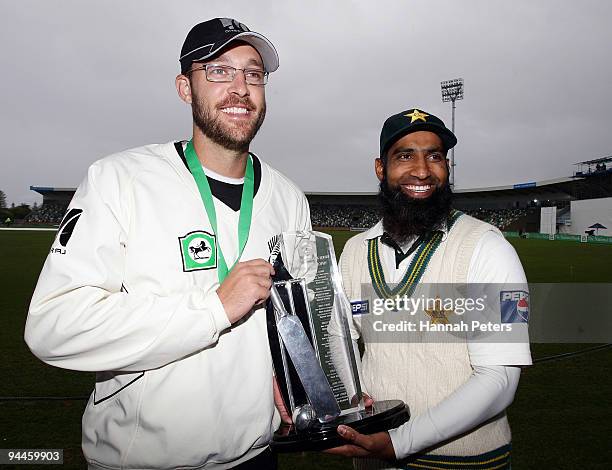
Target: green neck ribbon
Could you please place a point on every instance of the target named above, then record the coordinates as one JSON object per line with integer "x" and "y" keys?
{"x": 246, "y": 205}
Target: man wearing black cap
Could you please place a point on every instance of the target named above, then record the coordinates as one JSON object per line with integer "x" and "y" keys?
{"x": 158, "y": 273}
{"x": 457, "y": 391}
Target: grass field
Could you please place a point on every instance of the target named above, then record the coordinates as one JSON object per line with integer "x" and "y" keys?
{"x": 560, "y": 418}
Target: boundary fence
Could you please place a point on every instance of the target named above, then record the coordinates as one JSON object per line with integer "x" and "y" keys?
{"x": 598, "y": 239}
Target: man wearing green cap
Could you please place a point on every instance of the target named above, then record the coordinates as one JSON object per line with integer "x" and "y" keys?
{"x": 158, "y": 273}
{"x": 457, "y": 391}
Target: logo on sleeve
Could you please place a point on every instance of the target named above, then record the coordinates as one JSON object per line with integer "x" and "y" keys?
{"x": 65, "y": 230}
{"x": 198, "y": 251}
{"x": 360, "y": 307}
{"x": 67, "y": 226}
{"x": 514, "y": 306}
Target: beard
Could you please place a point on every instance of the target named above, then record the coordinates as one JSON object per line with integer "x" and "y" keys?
{"x": 237, "y": 137}
{"x": 405, "y": 217}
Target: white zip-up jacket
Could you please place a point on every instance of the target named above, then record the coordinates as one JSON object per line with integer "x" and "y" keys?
{"x": 127, "y": 291}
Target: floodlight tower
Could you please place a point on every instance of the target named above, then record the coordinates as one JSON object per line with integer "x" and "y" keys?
{"x": 452, "y": 90}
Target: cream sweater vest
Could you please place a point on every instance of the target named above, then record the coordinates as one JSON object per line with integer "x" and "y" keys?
{"x": 423, "y": 374}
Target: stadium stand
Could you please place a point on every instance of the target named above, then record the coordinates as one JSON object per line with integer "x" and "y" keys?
{"x": 511, "y": 208}
{"x": 361, "y": 217}
{"x": 333, "y": 215}
{"x": 501, "y": 218}
{"x": 54, "y": 205}
{"x": 48, "y": 213}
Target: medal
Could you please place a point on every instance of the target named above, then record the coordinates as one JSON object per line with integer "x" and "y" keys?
{"x": 246, "y": 205}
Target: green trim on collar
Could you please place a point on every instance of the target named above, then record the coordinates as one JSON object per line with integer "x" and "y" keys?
{"x": 415, "y": 270}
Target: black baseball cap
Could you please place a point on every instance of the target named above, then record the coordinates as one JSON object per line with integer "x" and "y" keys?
{"x": 401, "y": 124}
{"x": 208, "y": 38}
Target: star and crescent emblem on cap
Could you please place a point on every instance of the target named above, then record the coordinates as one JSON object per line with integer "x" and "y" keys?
{"x": 416, "y": 115}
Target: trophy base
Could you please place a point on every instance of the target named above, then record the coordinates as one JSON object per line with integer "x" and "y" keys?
{"x": 382, "y": 416}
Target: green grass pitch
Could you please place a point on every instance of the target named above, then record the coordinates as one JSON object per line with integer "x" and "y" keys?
{"x": 560, "y": 418}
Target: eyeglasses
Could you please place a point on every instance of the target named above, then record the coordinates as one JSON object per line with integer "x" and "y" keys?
{"x": 226, "y": 73}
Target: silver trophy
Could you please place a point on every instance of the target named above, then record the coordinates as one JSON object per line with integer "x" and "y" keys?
{"x": 315, "y": 359}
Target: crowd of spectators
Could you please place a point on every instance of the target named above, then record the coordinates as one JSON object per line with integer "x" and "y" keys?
{"x": 48, "y": 213}
{"x": 351, "y": 216}
{"x": 328, "y": 215}
{"x": 359, "y": 216}
{"x": 501, "y": 218}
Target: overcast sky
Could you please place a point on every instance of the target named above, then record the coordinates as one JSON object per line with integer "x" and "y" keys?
{"x": 83, "y": 79}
